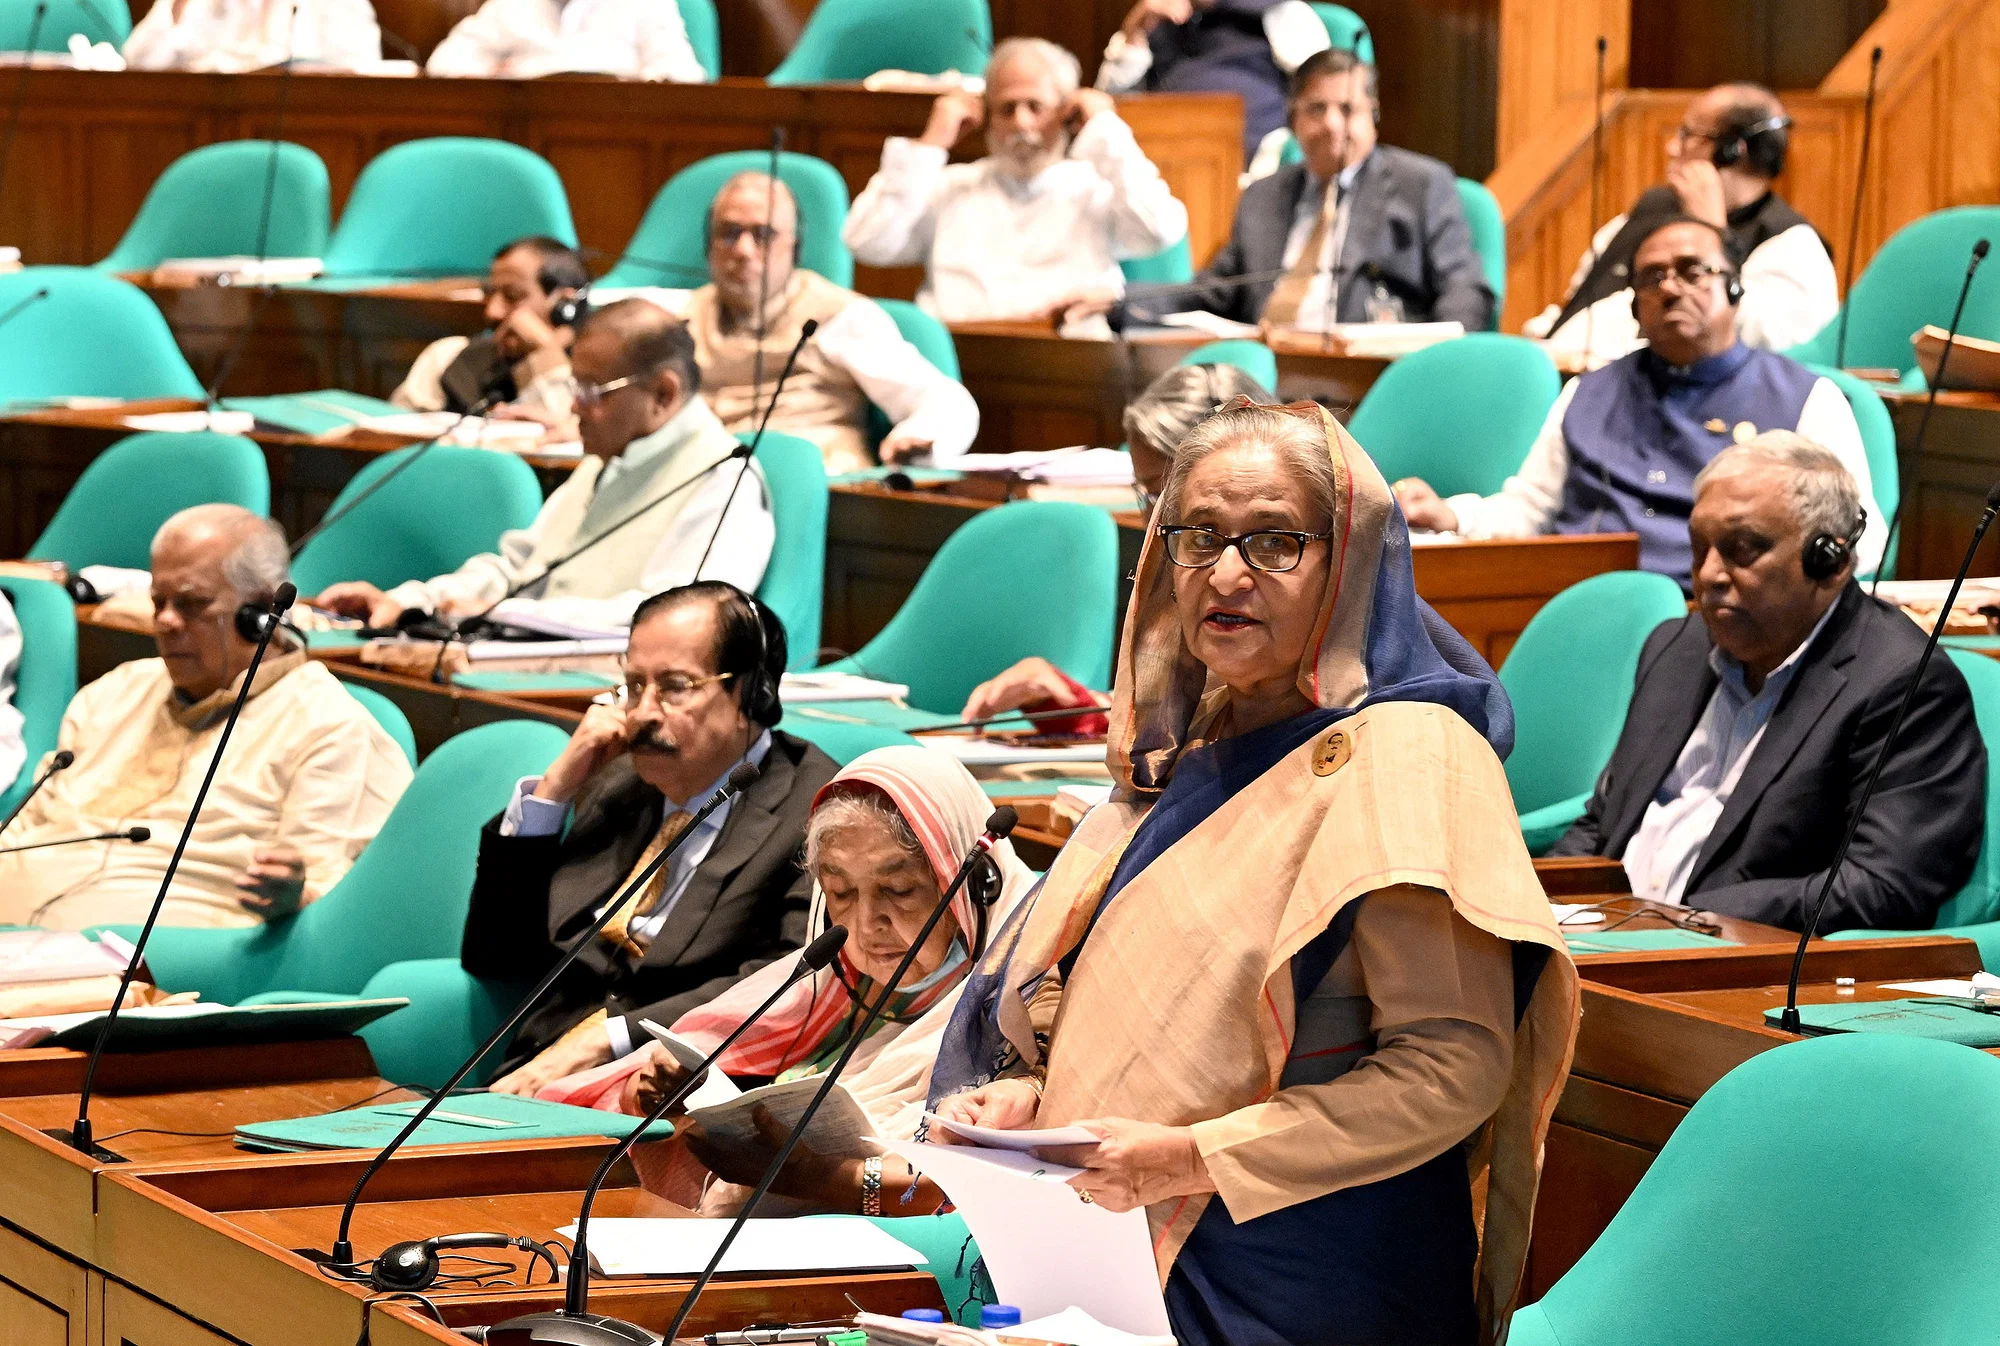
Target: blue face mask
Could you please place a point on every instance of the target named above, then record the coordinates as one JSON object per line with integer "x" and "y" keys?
{"x": 953, "y": 958}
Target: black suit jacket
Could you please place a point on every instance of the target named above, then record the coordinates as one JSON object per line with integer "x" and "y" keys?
{"x": 1405, "y": 226}
{"x": 1770, "y": 850}
{"x": 744, "y": 906}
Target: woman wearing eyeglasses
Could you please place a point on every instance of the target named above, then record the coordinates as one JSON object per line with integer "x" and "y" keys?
{"x": 1298, "y": 976}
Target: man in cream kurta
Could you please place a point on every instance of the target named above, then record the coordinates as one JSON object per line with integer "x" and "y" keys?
{"x": 307, "y": 781}
{"x": 654, "y": 454}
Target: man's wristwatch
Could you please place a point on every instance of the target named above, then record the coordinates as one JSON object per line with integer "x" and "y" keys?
{"x": 871, "y": 1185}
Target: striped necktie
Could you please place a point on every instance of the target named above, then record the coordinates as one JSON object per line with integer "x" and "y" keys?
{"x": 618, "y": 930}
{"x": 1282, "y": 310}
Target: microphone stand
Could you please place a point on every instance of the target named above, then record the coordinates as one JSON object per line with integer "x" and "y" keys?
{"x": 805, "y": 335}
{"x": 1979, "y": 251}
{"x": 129, "y": 834}
{"x": 341, "y": 1258}
{"x": 60, "y": 762}
{"x": 1854, "y": 224}
{"x": 79, "y": 1135}
{"x": 1596, "y": 203}
{"x": 764, "y": 271}
{"x": 997, "y": 827}
{"x": 27, "y": 301}
{"x": 21, "y": 88}
{"x": 1789, "y": 1020}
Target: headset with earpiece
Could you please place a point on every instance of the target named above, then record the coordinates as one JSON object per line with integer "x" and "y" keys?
{"x": 1732, "y": 151}
{"x": 413, "y": 1266}
{"x": 758, "y": 689}
{"x": 1824, "y": 554}
{"x": 1732, "y": 290}
{"x": 571, "y": 308}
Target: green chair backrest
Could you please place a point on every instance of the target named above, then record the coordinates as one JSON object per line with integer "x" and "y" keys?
{"x": 1036, "y": 577}
{"x": 399, "y": 533}
{"x": 933, "y": 341}
{"x": 1831, "y": 1190}
{"x": 406, "y": 895}
{"x": 210, "y": 203}
{"x": 1461, "y": 414}
{"x": 1570, "y": 679}
{"x": 110, "y": 515}
{"x": 1979, "y": 900}
{"x": 1489, "y": 238}
{"x": 46, "y": 679}
{"x": 1346, "y": 30}
{"x": 672, "y": 239}
{"x": 949, "y": 1255}
{"x": 795, "y": 579}
{"x": 443, "y": 207}
{"x": 64, "y": 17}
{"x": 1171, "y": 265}
{"x": 94, "y": 336}
{"x": 1252, "y": 357}
{"x": 1878, "y": 443}
{"x": 1913, "y": 280}
{"x": 387, "y": 714}
{"x": 852, "y": 39}
{"x": 704, "y": 34}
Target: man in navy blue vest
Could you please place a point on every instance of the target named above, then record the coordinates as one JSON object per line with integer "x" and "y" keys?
{"x": 1622, "y": 444}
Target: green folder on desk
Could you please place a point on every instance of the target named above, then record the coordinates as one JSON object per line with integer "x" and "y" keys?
{"x": 1642, "y": 941}
{"x": 158, "y": 1028}
{"x": 313, "y": 413}
{"x": 463, "y": 1119}
{"x": 1919, "y": 1017}
{"x": 503, "y": 682}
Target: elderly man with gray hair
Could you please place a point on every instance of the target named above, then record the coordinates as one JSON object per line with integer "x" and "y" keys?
{"x": 1755, "y": 721}
{"x": 308, "y": 779}
{"x": 1038, "y": 225}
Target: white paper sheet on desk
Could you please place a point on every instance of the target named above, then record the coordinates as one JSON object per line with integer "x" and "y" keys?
{"x": 530, "y": 614}
{"x": 1074, "y": 1327}
{"x": 632, "y": 1247}
{"x": 805, "y": 688}
{"x": 1046, "y": 1249}
{"x": 987, "y": 1137}
{"x": 999, "y": 752}
{"x": 188, "y": 422}
{"x": 1223, "y": 329}
{"x": 479, "y": 651}
{"x": 1576, "y": 913}
{"x": 1982, "y": 984}
{"x": 55, "y": 955}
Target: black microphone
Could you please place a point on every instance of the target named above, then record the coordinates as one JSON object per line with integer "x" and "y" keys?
{"x": 998, "y": 826}
{"x": 21, "y": 88}
{"x": 341, "y": 1260}
{"x": 27, "y": 302}
{"x": 97, "y": 16}
{"x": 1916, "y": 454}
{"x": 334, "y": 517}
{"x": 60, "y": 762}
{"x": 1596, "y": 198}
{"x": 1789, "y": 1020}
{"x": 1854, "y": 224}
{"x": 129, "y": 834}
{"x": 805, "y": 335}
{"x": 764, "y": 272}
{"x": 78, "y": 1136}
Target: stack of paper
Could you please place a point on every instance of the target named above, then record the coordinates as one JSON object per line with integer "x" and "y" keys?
{"x": 59, "y": 955}
{"x": 804, "y": 688}
{"x": 240, "y": 270}
{"x": 191, "y": 422}
{"x": 478, "y": 432}
{"x": 1002, "y": 752}
{"x": 1388, "y": 340}
{"x": 528, "y": 614}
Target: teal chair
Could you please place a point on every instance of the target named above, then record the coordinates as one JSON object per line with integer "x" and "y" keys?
{"x": 704, "y": 34}
{"x": 1570, "y": 679}
{"x": 110, "y": 515}
{"x": 1252, "y": 357}
{"x": 210, "y": 203}
{"x": 64, "y": 17}
{"x": 93, "y": 336}
{"x": 795, "y": 579}
{"x": 400, "y": 533}
{"x": 1346, "y": 30}
{"x": 949, "y": 1255}
{"x": 1489, "y": 239}
{"x": 1913, "y": 280}
{"x": 443, "y": 207}
{"x": 1836, "y": 1189}
{"x": 1172, "y": 265}
{"x": 672, "y": 238}
{"x": 389, "y": 715}
{"x": 1878, "y": 443}
{"x": 1032, "y": 577}
{"x": 1461, "y": 414}
{"x": 46, "y": 679}
{"x": 933, "y": 341}
{"x": 852, "y": 39}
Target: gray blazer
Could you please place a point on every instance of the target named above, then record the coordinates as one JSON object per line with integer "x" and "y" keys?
{"x": 1406, "y": 230}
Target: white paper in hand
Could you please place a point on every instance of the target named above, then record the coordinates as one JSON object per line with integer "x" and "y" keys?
{"x": 839, "y": 1130}
{"x": 1021, "y": 1141}
{"x": 717, "y": 1088}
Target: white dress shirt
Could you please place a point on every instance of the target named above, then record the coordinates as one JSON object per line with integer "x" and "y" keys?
{"x": 13, "y": 747}
{"x": 1322, "y": 296}
{"x": 236, "y": 35}
{"x": 1661, "y": 855}
{"x": 999, "y": 247}
{"x": 525, "y": 39}
{"x": 527, "y": 816}
{"x": 1530, "y": 500}
{"x": 1292, "y": 29}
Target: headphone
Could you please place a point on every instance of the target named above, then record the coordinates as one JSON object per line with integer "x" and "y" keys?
{"x": 758, "y": 689}
{"x": 572, "y": 308}
{"x": 1732, "y": 290}
{"x": 414, "y": 1266}
{"x": 1824, "y": 554}
{"x": 251, "y": 618}
{"x": 1731, "y": 152}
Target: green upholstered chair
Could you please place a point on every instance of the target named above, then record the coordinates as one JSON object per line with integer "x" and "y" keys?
{"x": 443, "y": 207}
{"x": 94, "y": 336}
{"x": 795, "y": 580}
{"x": 1036, "y": 577}
{"x": 1570, "y": 678}
{"x": 949, "y": 1254}
{"x": 670, "y": 246}
{"x": 1878, "y": 443}
{"x": 1346, "y": 30}
{"x": 931, "y": 338}
{"x": 1829, "y": 1190}
{"x": 46, "y": 679}
{"x": 451, "y": 1012}
{"x": 64, "y": 17}
{"x": 852, "y": 39}
{"x": 1252, "y": 357}
{"x": 1489, "y": 238}
{"x": 1171, "y": 265}
{"x": 704, "y": 33}
{"x": 1913, "y": 280}
{"x": 400, "y": 533}
{"x": 1461, "y": 414}
{"x": 389, "y": 715}
{"x": 210, "y": 203}
{"x": 110, "y": 515}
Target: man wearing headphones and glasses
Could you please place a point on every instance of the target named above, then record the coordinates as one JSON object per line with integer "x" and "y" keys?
{"x": 1721, "y": 161}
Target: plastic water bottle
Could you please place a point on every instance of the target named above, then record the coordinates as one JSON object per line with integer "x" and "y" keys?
{"x": 924, "y": 1315}
{"x": 996, "y": 1316}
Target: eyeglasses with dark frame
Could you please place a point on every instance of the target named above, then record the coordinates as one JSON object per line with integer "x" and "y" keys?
{"x": 1272, "y": 550}
{"x": 673, "y": 689}
{"x": 1689, "y": 272}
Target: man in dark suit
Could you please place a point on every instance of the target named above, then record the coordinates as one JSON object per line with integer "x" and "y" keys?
{"x": 700, "y": 697}
{"x": 1391, "y": 233}
{"x": 1755, "y": 723}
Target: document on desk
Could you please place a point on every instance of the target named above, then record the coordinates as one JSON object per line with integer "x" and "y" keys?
{"x": 634, "y": 1247}
{"x": 1046, "y": 1249}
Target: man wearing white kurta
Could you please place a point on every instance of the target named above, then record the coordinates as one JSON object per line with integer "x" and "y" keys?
{"x": 307, "y": 782}
{"x": 525, "y": 39}
{"x": 235, "y": 35}
{"x": 1062, "y": 196}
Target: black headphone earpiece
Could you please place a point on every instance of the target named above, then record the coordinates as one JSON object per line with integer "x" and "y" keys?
{"x": 413, "y": 1266}
{"x": 1732, "y": 289}
{"x": 759, "y": 692}
{"x": 571, "y": 309}
{"x": 1824, "y": 554}
{"x": 1728, "y": 153}
{"x": 251, "y": 617}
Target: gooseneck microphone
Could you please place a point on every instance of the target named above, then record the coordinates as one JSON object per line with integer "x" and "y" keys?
{"x": 998, "y": 826}
{"x": 1854, "y": 222}
{"x": 21, "y": 88}
{"x": 1596, "y": 195}
{"x": 764, "y": 271}
{"x": 1789, "y": 1020}
{"x": 59, "y": 762}
{"x": 333, "y": 517}
{"x": 26, "y": 302}
{"x": 805, "y": 335}
{"x": 79, "y": 1136}
{"x": 128, "y": 834}
{"x": 1916, "y": 455}
{"x": 341, "y": 1260}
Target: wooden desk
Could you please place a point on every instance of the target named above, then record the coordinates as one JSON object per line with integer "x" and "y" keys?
{"x": 1947, "y": 487}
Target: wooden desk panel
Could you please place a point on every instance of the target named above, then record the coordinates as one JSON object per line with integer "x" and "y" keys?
{"x": 44, "y": 1297}
{"x": 1948, "y": 485}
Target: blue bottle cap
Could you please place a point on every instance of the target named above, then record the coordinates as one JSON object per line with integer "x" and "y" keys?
{"x": 924, "y": 1315}
{"x": 999, "y": 1315}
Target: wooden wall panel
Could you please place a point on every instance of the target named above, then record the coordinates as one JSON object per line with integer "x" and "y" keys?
{"x": 1782, "y": 44}
{"x": 1548, "y": 62}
